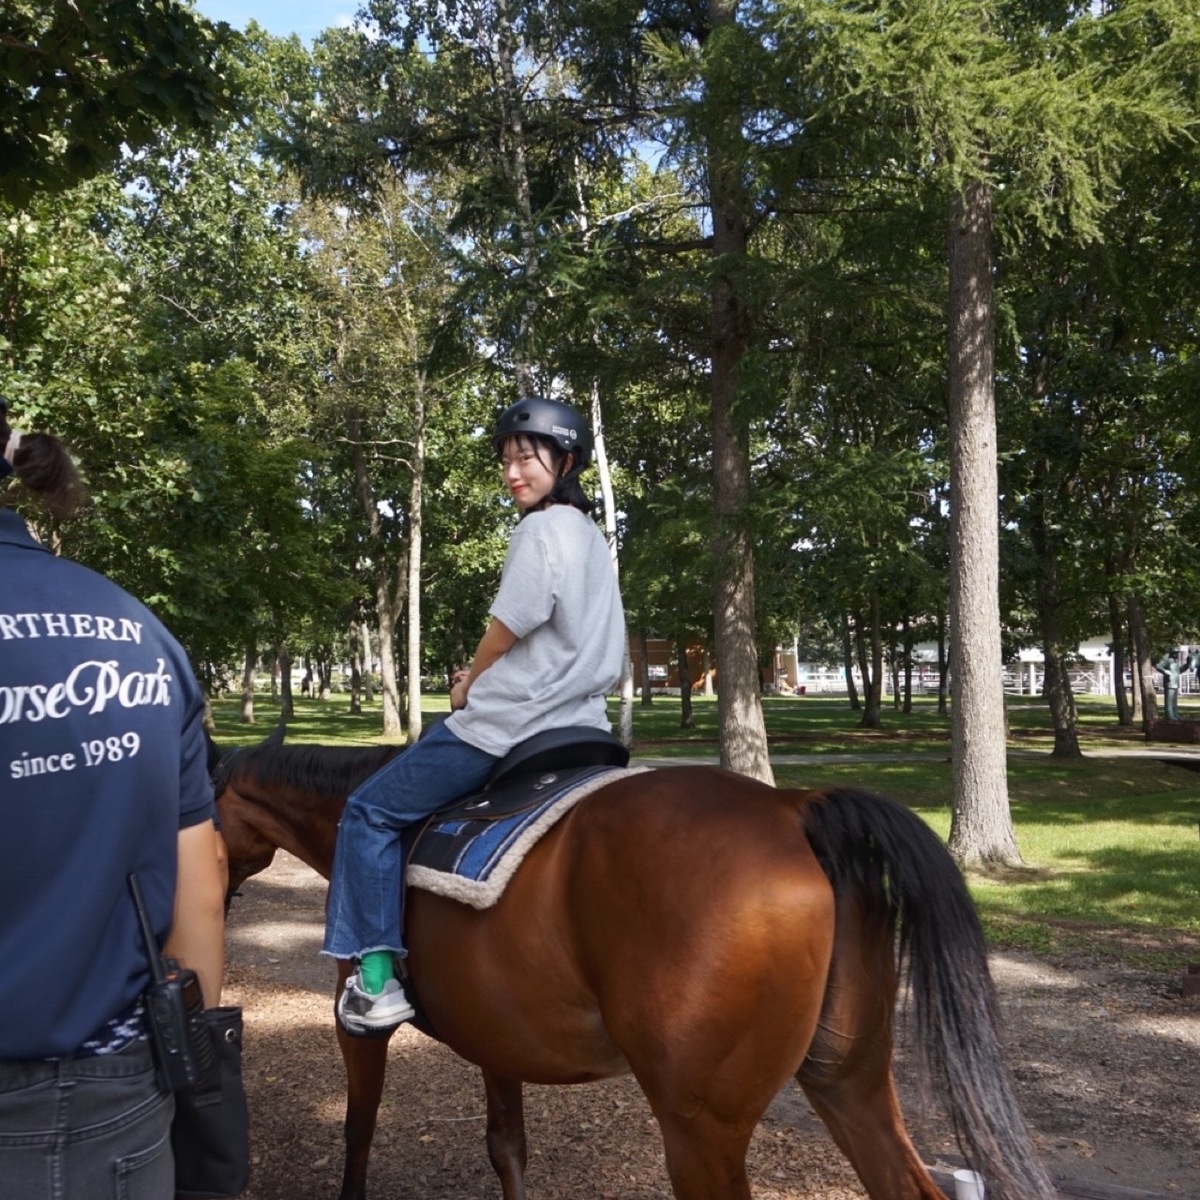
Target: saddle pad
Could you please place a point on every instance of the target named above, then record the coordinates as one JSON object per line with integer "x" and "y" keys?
{"x": 472, "y": 859}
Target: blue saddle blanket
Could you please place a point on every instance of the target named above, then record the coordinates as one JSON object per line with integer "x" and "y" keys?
{"x": 470, "y": 853}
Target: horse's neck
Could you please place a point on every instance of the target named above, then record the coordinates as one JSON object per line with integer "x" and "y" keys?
{"x": 303, "y": 825}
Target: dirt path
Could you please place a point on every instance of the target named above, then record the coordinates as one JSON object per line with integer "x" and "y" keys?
{"x": 1107, "y": 1064}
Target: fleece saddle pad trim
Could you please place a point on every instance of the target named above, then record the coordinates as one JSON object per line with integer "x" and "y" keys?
{"x": 471, "y": 860}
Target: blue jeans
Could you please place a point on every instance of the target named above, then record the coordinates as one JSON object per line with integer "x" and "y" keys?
{"x": 364, "y": 892}
{"x": 86, "y": 1129}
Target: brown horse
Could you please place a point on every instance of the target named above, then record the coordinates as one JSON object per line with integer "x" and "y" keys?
{"x": 708, "y": 933}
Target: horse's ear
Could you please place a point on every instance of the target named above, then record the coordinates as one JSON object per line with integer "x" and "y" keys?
{"x": 275, "y": 737}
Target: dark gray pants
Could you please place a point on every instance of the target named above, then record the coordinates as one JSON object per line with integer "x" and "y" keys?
{"x": 86, "y": 1129}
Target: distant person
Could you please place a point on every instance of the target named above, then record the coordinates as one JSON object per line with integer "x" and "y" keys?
{"x": 549, "y": 657}
{"x": 1169, "y": 666}
{"x": 103, "y": 769}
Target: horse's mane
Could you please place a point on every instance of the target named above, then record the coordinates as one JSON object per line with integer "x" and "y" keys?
{"x": 331, "y": 770}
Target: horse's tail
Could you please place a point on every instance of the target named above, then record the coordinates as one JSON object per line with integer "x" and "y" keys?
{"x": 892, "y": 858}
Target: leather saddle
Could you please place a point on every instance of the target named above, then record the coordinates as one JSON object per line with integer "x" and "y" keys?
{"x": 520, "y": 778}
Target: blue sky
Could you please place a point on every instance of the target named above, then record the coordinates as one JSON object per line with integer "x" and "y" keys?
{"x": 281, "y": 17}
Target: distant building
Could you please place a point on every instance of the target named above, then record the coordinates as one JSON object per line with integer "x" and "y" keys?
{"x": 1091, "y": 674}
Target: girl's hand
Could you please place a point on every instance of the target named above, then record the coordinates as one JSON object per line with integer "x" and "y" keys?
{"x": 497, "y": 640}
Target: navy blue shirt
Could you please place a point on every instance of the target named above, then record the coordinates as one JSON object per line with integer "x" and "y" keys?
{"x": 102, "y": 762}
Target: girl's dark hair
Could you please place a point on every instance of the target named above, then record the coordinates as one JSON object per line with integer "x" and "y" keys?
{"x": 41, "y": 462}
{"x": 567, "y": 489}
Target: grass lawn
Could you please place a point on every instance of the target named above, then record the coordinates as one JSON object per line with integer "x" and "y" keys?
{"x": 1112, "y": 846}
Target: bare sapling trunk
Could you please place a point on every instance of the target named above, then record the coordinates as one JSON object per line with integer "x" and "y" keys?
{"x": 625, "y": 687}
{"x": 416, "y": 523}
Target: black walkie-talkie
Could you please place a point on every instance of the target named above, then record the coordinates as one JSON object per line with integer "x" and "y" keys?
{"x": 183, "y": 1046}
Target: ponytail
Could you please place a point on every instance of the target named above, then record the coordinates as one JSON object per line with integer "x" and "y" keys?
{"x": 40, "y": 462}
{"x": 568, "y": 490}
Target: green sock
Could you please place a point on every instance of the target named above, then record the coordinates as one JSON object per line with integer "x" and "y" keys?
{"x": 374, "y": 970}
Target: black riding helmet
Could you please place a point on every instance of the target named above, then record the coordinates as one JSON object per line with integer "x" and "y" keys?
{"x": 536, "y": 416}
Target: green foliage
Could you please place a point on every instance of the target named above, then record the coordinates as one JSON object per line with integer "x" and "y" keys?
{"x": 80, "y": 79}
{"x": 202, "y": 320}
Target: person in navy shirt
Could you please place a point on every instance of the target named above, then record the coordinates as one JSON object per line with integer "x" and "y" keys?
{"x": 102, "y": 773}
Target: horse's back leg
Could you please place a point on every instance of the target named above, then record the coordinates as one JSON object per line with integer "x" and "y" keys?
{"x": 847, "y": 1074}
{"x": 720, "y": 1016}
{"x": 366, "y": 1065}
{"x": 506, "y": 1132}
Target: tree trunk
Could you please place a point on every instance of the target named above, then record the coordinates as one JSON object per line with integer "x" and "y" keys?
{"x": 647, "y": 693}
{"x": 848, "y": 665}
{"x": 1135, "y": 671}
{"x": 287, "y": 705}
{"x": 367, "y": 664}
{"x": 942, "y": 665}
{"x": 356, "y": 668}
{"x": 981, "y": 825}
{"x": 251, "y": 660}
{"x": 1116, "y": 627}
{"x": 860, "y": 653}
{"x": 1048, "y": 590}
{"x": 1143, "y": 656}
{"x": 389, "y": 596}
{"x": 686, "y": 719}
{"x": 872, "y": 717}
{"x": 1061, "y": 701}
{"x": 906, "y": 645}
{"x": 742, "y": 729}
{"x": 1057, "y": 682}
{"x": 389, "y": 686}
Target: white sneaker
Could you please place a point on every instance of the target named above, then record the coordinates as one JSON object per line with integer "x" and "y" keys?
{"x": 361, "y": 1013}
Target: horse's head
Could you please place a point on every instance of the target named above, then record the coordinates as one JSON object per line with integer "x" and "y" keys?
{"x": 245, "y": 849}
{"x": 273, "y": 796}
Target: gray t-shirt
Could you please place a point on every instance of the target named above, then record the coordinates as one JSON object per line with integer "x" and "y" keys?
{"x": 558, "y": 594}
